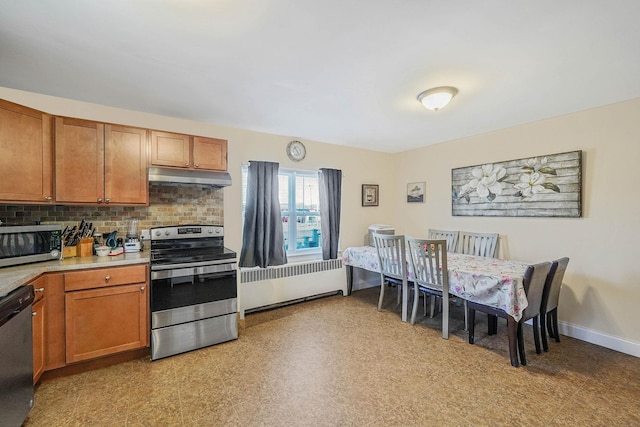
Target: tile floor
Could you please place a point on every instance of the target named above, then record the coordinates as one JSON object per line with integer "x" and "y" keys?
{"x": 336, "y": 361}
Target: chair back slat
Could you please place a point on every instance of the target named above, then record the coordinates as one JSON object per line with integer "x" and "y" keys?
{"x": 391, "y": 255}
{"x": 450, "y": 236}
{"x": 479, "y": 244}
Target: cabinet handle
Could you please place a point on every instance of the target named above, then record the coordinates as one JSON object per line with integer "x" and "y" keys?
{"x": 197, "y": 165}
{"x": 48, "y": 198}
{"x": 39, "y": 289}
{"x": 186, "y": 164}
{"x": 106, "y": 278}
{"x": 107, "y": 200}
{"x": 34, "y": 313}
{"x": 141, "y": 288}
{"x": 99, "y": 200}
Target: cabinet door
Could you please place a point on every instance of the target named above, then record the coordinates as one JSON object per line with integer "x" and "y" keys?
{"x": 79, "y": 154}
{"x": 209, "y": 153}
{"x": 37, "y": 324}
{"x": 105, "y": 321}
{"x": 26, "y": 164}
{"x": 54, "y": 342}
{"x": 170, "y": 149}
{"x": 125, "y": 165}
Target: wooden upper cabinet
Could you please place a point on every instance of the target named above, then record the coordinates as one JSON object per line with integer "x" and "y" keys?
{"x": 79, "y": 161}
{"x": 100, "y": 164}
{"x": 209, "y": 153}
{"x": 26, "y": 159}
{"x": 170, "y": 149}
{"x": 188, "y": 152}
{"x": 125, "y": 165}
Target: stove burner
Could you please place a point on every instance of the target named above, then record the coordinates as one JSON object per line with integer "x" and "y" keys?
{"x": 188, "y": 243}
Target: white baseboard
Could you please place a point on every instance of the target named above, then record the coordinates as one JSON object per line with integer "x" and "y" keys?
{"x": 622, "y": 345}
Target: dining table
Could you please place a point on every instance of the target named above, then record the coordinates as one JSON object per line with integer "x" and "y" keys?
{"x": 494, "y": 282}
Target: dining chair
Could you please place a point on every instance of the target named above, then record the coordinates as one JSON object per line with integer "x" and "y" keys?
{"x": 428, "y": 260}
{"x": 480, "y": 244}
{"x": 450, "y": 236}
{"x": 392, "y": 258}
{"x": 534, "y": 281}
{"x": 550, "y": 297}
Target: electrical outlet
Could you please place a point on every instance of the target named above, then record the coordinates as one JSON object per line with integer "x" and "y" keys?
{"x": 144, "y": 235}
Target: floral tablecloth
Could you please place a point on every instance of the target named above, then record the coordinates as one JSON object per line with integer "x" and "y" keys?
{"x": 489, "y": 281}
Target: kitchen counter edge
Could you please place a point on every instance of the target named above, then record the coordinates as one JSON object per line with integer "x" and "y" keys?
{"x": 13, "y": 277}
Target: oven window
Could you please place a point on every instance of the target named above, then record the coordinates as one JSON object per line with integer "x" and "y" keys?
{"x": 191, "y": 290}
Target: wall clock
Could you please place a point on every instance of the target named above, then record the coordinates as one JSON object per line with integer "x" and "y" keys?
{"x": 296, "y": 151}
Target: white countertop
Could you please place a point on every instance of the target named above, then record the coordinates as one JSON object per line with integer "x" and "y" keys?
{"x": 12, "y": 277}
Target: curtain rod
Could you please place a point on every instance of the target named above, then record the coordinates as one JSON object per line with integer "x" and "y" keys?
{"x": 246, "y": 164}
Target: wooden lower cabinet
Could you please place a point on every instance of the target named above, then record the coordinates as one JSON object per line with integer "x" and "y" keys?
{"x": 48, "y": 324}
{"x": 37, "y": 323}
{"x": 54, "y": 321}
{"x": 107, "y": 319}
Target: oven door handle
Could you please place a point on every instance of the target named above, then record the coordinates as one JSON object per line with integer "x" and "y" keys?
{"x": 218, "y": 274}
{"x": 176, "y": 266}
{"x": 222, "y": 269}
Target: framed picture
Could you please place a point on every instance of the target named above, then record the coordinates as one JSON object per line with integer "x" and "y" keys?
{"x": 369, "y": 195}
{"x": 415, "y": 192}
{"x": 542, "y": 186}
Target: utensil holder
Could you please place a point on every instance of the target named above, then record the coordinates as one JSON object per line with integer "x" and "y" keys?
{"x": 68, "y": 251}
{"x": 85, "y": 247}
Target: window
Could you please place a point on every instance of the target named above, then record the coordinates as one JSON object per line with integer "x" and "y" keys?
{"x": 300, "y": 209}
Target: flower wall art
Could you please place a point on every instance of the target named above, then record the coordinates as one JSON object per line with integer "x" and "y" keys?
{"x": 548, "y": 186}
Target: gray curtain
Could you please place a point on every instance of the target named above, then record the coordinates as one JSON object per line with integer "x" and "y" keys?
{"x": 330, "y": 195}
{"x": 262, "y": 238}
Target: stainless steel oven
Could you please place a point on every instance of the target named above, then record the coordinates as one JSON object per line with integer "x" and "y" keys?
{"x": 193, "y": 289}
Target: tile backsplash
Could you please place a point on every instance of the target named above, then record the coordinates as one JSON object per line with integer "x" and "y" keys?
{"x": 169, "y": 204}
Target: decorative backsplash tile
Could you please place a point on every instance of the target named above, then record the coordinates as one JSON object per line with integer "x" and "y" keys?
{"x": 169, "y": 204}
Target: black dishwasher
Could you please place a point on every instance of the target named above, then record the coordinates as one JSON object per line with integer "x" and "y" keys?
{"x": 16, "y": 356}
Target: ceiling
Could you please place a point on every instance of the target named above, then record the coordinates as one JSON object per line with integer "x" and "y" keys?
{"x": 338, "y": 71}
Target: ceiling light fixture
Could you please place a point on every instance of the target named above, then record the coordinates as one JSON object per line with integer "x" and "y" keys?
{"x": 437, "y": 97}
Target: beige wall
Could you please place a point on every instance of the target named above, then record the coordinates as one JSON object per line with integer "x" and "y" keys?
{"x": 358, "y": 166}
{"x": 602, "y": 292}
{"x": 599, "y": 302}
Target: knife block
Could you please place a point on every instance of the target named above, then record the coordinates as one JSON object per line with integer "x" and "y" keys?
{"x": 85, "y": 247}
{"x": 68, "y": 251}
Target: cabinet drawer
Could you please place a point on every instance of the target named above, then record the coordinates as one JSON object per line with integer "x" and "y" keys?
{"x": 99, "y": 278}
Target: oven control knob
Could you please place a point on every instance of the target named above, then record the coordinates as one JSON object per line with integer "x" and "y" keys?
{"x": 167, "y": 232}
{"x": 158, "y": 233}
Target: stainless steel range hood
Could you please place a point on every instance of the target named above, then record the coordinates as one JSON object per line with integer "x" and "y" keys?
{"x": 218, "y": 179}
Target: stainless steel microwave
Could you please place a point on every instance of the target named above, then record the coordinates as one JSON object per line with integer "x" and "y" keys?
{"x": 29, "y": 243}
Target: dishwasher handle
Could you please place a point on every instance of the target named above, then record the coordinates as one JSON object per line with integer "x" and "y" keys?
{"x": 14, "y": 302}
